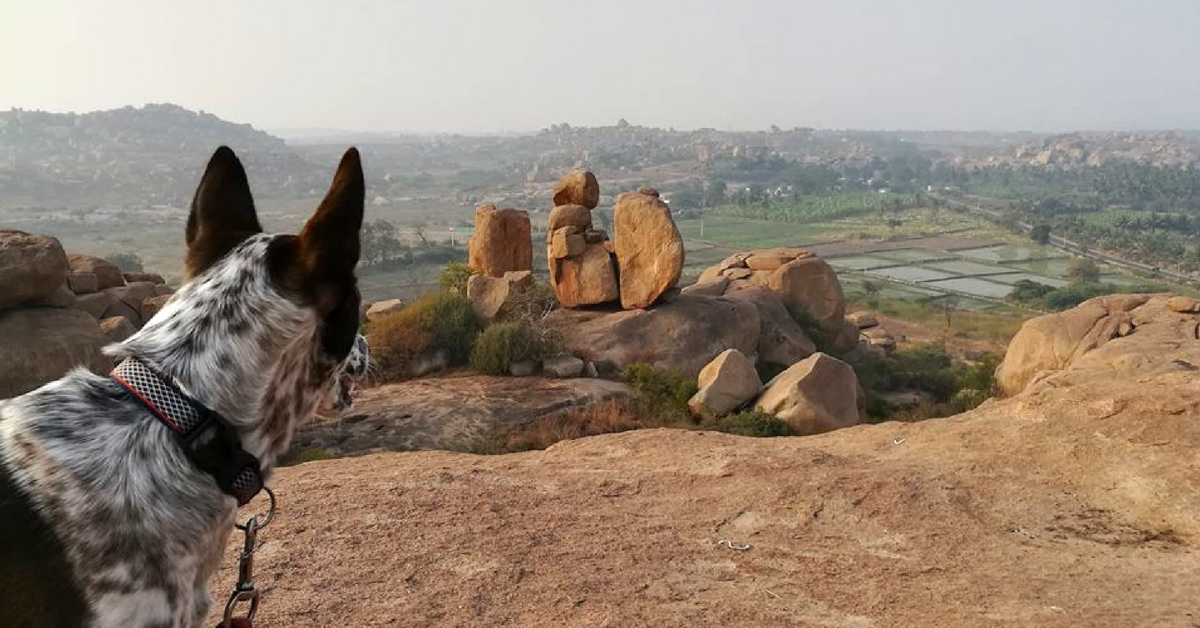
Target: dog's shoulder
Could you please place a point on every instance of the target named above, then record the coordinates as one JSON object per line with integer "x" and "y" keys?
{"x": 36, "y": 584}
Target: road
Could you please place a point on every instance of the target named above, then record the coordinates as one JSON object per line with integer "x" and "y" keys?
{"x": 1069, "y": 246}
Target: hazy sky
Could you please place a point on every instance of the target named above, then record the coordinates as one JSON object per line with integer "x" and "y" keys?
{"x": 524, "y": 64}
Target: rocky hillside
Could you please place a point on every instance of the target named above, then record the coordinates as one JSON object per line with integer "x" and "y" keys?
{"x": 1072, "y": 503}
{"x": 153, "y": 154}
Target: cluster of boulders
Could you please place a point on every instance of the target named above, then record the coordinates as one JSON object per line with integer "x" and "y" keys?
{"x": 872, "y": 337}
{"x": 639, "y": 266}
{"x": 817, "y": 394}
{"x": 57, "y": 311}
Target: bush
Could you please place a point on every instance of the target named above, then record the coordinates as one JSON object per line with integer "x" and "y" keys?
{"x": 502, "y": 344}
{"x": 127, "y": 262}
{"x": 432, "y": 323}
{"x": 750, "y": 423}
{"x": 454, "y": 276}
{"x": 660, "y": 393}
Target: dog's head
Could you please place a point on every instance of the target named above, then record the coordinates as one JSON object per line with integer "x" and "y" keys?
{"x": 265, "y": 324}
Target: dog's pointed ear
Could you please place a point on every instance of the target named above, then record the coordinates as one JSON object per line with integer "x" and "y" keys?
{"x": 329, "y": 241}
{"x": 222, "y": 213}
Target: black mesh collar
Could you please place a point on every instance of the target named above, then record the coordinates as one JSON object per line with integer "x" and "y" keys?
{"x": 207, "y": 439}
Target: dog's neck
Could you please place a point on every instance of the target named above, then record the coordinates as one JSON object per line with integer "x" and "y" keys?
{"x": 236, "y": 345}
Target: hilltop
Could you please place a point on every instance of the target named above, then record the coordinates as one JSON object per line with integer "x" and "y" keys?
{"x": 146, "y": 155}
{"x": 1072, "y": 503}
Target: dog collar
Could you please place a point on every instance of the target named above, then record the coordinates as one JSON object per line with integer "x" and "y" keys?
{"x": 208, "y": 440}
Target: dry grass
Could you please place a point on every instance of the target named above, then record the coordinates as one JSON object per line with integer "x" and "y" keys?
{"x": 618, "y": 415}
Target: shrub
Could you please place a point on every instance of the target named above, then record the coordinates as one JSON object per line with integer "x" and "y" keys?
{"x": 502, "y": 344}
{"x": 454, "y": 276}
{"x": 305, "y": 455}
{"x": 127, "y": 262}
{"x": 750, "y": 423}
{"x": 434, "y": 322}
{"x": 660, "y": 393}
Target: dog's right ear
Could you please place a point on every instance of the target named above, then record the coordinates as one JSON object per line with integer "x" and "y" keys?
{"x": 222, "y": 212}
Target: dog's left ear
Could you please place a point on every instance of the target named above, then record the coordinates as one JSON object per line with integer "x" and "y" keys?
{"x": 329, "y": 243}
{"x": 222, "y": 213}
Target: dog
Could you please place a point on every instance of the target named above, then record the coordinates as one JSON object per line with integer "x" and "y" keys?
{"x": 114, "y": 514}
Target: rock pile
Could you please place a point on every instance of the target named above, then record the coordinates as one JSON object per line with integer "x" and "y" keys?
{"x": 817, "y": 394}
{"x": 872, "y": 337}
{"x": 489, "y": 294}
{"x": 502, "y": 241}
{"x": 802, "y": 279}
{"x": 586, "y": 268}
{"x": 57, "y": 311}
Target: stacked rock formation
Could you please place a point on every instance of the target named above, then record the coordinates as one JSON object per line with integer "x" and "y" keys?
{"x": 582, "y": 268}
{"x": 502, "y": 241}
{"x": 586, "y": 268}
{"x": 871, "y": 335}
{"x": 57, "y": 311}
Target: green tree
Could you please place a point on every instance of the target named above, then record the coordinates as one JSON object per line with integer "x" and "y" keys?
{"x": 1040, "y": 233}
{"x": 1083, "y": 271}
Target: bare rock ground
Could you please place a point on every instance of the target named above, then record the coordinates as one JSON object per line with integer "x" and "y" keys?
{"x": 448, "y": 412}
{"x": 1074, "y": 503}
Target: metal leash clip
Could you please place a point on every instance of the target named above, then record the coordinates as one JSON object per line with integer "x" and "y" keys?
{"x": 245, "y": 590}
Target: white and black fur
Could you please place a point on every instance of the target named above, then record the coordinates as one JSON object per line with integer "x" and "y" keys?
{"x": 105, "y": 522}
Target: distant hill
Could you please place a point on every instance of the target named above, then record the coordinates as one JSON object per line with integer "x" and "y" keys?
{"x": 153, "y": 153}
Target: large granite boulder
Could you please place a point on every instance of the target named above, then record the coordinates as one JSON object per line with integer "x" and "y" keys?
{"x": 107, "y": 273}
{"x": 32, "y": 267}
{"x": 502, "y": 241}
{"x": 578, "y": 187}
{"x": 649, "y": 248}
{"x": 817, "y": 394}
{"x": 781, "y": 341}
{"x": 726, "y": 384}
{"x": 683, "y": 335}
{"x": 487, "y": 295}
{"x": 1051, "y": 342}
{"x": 588, "y": 278}
{"x": 576, "y": 216}
{"x": 39, "y": 345}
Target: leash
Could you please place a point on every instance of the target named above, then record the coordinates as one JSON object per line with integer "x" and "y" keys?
{"x": 244, "y": 590}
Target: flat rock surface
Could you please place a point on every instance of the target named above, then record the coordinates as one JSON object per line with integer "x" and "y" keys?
{"x": 1078, "y": 509}
{"x": 447, "y": 412}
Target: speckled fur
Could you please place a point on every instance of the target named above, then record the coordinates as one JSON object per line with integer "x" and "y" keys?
{"x": 141, "y": 528}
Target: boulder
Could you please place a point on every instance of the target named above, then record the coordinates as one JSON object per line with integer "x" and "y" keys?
{"x": 161, "y": 289}
{"x": 594, "y": 236}
{"x": 82, "y": 282}
{"x": 648, "y": 191}
{"x": 487, "y": 295}
{"x": 107, "y": 273}
{"x": 380, "y": 308}
{"x": 522, "y": 368}
{"x": 683, "y": 335}
{"x": 519, "y": 279}
{"x": 61, "y": 297}
{"x": 781, "y": 341}
{"x": 649, "y": 249}
{"x": 713, "y": 287}
{"x": 117, "y": 328}
{"x": 586, "y": 279}
{"x": 862, "y": 319}
{"x": 127, "y": 301}
{"x": 576, "y": 216}
{"x": 562, "y": 366}
{"x": 140, "y": 276}
{"x": 817, "y": 394}
{"x": 578, "y": 187}
{"x": 95, "y": 304}
{"x": 564, "y": 242}
{"x": 771, "y": 259}
{"x": 39, "y": 345}
{"x": 1183, "y": 305}
{"x": 153, "y": 305}
{"x": 810, "y": 283}
{"x": 846, "y": 338}
{"x": 32, "y": 267}
{"x": 726, "y": 384}
{"x": 502, "y": 241}
{"x": 1051, "y": 342}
